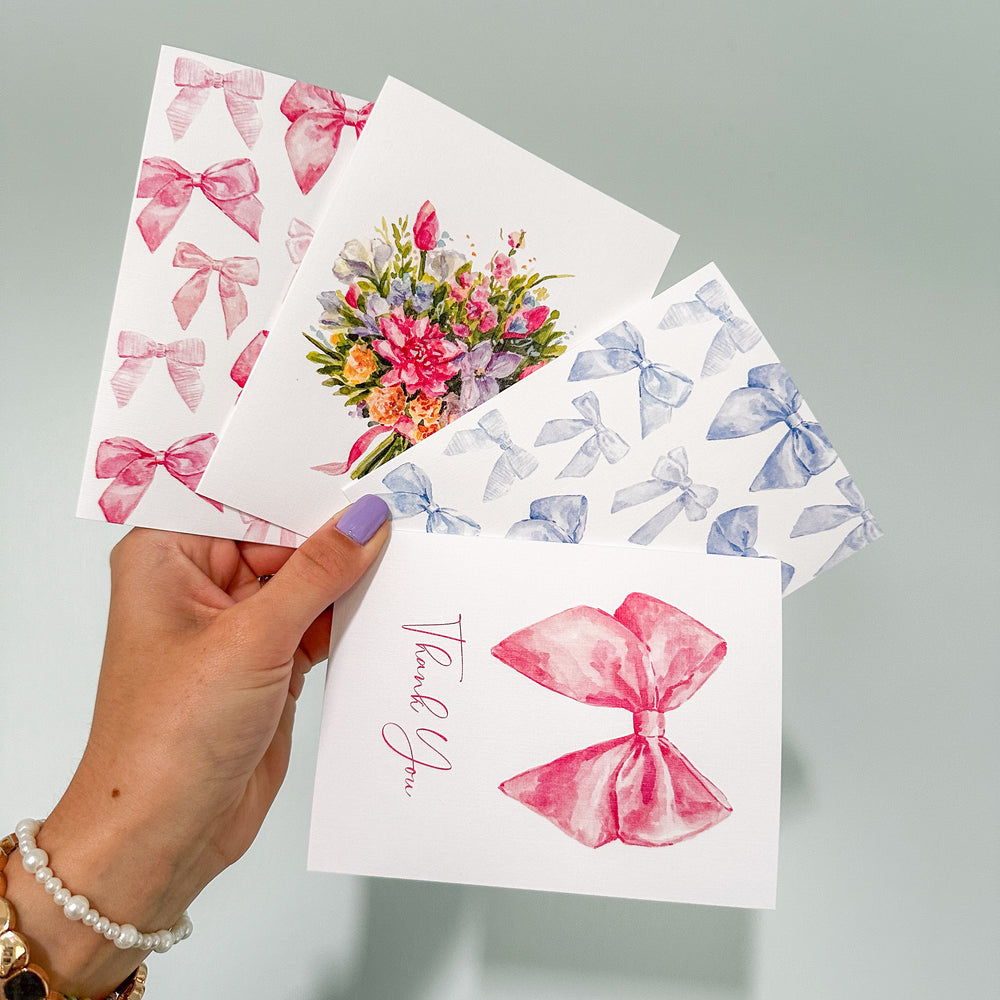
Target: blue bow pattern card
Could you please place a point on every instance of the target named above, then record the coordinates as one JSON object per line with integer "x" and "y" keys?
{"x": 678, "y": 428}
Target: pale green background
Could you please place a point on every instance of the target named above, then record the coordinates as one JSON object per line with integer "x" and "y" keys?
{"x": 840, "y": 163}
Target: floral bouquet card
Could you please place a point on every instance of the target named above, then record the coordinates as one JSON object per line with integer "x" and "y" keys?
{"x": 618, "y": 734}
{"x": 678, "y": 427}
{"x": 237, "y": 169}
{"x": 451, "y": 266}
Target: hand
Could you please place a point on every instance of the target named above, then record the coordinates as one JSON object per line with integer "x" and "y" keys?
{"x": 192, "y": 728}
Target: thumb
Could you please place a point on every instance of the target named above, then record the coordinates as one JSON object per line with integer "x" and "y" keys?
{"x": 325, "y": 567}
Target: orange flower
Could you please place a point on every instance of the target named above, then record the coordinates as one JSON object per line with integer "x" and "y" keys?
{"x": 425, "y": 409}
{"x": 422, "y": 431}
{"x": 386, "y": 404}
{"x": 359, "y": 365}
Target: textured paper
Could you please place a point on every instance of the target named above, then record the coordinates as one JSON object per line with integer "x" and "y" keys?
{"x": 719, "y": 468}
{"x": 420, "y": 730}
{"x": 171, "y": 407}
{"x": 486, "y": 193}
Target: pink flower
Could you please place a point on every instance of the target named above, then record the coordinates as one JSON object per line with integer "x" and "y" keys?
{"x": 425, "y": 229}
{"x": 531, "y": 368}
{"x": 489, "y": 319}
{"x": 460, "y": 330}
{"x": 351, "y": 298}
{"x": 420, "y": 356}
{"x": 516, "y": 238}
{"x": 477, "y": 302}
{"x": 503, "y": 269}
{"x": 525, "y": 321}
{"x": 536, "y": 317}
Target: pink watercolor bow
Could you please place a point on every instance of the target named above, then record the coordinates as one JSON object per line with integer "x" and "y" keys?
{"x": 318, "y": 117}
{"x": 300, "y": 235}
{"x": 132, "y": 466}
{"x": 243, "y": 365}
{"x": 648, "y": 658}
{"x": 257, "y": 530}
{"x": 183, "y": 357}
{"x": 233, "y": 272}
{"x": 241, "y": 88}
{"x": 231, "y": 186}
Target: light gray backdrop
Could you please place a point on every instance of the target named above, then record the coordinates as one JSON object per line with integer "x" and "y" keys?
{"x": 839, "y": 161}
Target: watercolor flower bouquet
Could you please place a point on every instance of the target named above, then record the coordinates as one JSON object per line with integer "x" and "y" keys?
{"x": 421, "y": 336}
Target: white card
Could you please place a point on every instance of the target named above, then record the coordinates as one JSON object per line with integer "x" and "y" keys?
{"x": 677, "y": 428}
{"x": 237, "y": 169}
{"x": 617, "y": 732}
{"x": 494, "y": 255}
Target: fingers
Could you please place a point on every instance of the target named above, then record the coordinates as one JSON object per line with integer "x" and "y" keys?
{"x": 324, "y": 567}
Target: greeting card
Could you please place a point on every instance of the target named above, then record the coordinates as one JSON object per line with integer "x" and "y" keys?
{"x": 618, "y": 733}
{"x": 452, "y": 265}
{"x": 237, "y": 169}
{"x": 678, "y": 427}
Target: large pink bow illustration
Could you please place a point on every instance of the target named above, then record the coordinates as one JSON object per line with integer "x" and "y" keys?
{"x": 241, "y": 87}
{"x": 318, "y": 117}
{"x": 258, "y": 528}
{"x": 183, "y": 357}
{"x": 648, "y": 658}
{"x": 233, "y": 272}
{"x": 132, "y": 466}
{"x": 231, "y": 186}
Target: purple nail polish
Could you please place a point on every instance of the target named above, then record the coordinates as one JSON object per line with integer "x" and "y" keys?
{"x": 363, "y": 518}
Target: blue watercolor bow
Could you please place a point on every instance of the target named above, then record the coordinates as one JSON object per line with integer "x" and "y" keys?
{"x": 769, "y": 398}
{"x": 553, "y": 519}
{"x": 669, "y": 473}
{"x": 734, "y": 533}
{"x": 412, "y": 495}
{"x": 735, "y": 333}
{"x": 826, "y": 516}
{"x": 604, "y": 442}
{"x": 514, "y": 462}
{"x": 661, "y": 389}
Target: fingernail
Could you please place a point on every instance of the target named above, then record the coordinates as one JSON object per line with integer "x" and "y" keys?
{"x": 363, "y": 518}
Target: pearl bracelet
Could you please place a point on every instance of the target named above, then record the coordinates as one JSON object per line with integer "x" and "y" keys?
{"x": 77, "y": 907}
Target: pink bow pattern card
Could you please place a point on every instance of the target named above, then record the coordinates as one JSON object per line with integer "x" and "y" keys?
{"x": 237, "y": 168}
{"x": 618, "y": 734}
{"x": 677, "y": 427}
{"x": 451, "y": 266}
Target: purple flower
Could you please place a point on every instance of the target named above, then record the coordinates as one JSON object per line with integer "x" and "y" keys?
{"x": 480, "y": 368}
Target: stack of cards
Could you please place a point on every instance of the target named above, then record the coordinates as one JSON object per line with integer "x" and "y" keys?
{"x": 403, "y": 303}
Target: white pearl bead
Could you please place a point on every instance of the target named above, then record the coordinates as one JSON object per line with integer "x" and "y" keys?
{"x": 102, "y": 925}
{"x": 128, "y": 937}
{"x": 53, "y": 885}
{"x": 182, "y": 929}
{"x": 43, "y": 874}
{"x": 146, "y": 942}
{"x": 34, "y": 859}
{"x": 112, "y": 932}
{"x": 61, "y": 896}
{"x": 91, "y": 917}
{"x": 164, "y": 942}
{"x": 24, "y": 845}
{"x": 27, "y": 828}
{"x": 76, "y": 907}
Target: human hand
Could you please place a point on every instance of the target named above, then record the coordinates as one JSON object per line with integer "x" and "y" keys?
{"x": 192, "y": 726}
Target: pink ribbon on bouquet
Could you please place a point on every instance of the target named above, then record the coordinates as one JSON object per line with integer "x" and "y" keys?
{"x": 230, "y": 185}
{"x": 132, "y": 466}
{"x": 243, "y": 365}
{"x": 242, "y": 88}
{"x": 183, "y": 358}
{"x": 257, "y": 530}
{"x": 318, "y": 117}
{"x": 647, "y": 658}
{"x": 357, "y": 450}
{"x": 233, "y": 272}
